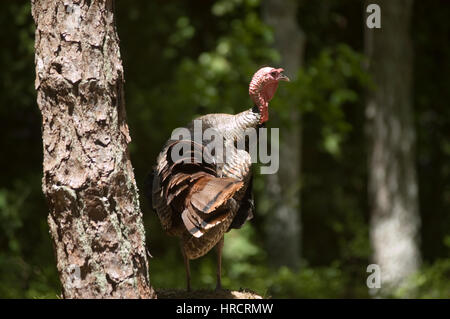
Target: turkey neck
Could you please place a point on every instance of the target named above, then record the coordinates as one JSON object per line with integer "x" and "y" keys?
{"x": 231, "y": 127}
{"x": 247, "y": 119}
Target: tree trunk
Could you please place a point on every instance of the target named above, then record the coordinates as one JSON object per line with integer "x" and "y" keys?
{"x": 283, "y": 225}
{"x": 393, "y": 189}
{"x": 95, "y": 219}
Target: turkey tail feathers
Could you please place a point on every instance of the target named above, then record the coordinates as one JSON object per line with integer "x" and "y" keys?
{"x": 214, "y": 192}
{"x": 204, "y": 203}
{"x": 186, "y": 185}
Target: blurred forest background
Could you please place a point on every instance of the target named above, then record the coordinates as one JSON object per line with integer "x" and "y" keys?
{"x": 187, "y": 58}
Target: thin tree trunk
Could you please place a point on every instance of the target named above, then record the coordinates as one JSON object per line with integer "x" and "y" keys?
{"x": 393, "y": 189}
{"x": 283, "y": 226}
{"x": 95, "y": 220}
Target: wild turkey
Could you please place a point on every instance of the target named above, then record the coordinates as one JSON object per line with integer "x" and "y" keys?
{"x": 199, "y": 201}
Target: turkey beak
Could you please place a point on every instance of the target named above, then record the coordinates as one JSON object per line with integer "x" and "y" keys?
{"x": 283, "y": 77}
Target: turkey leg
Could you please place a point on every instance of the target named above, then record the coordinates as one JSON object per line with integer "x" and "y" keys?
{"x": 188, "y": 269}
{"x": 219, "y": 247}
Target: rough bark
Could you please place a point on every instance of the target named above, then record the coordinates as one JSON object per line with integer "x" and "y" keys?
{"x": 393, "y": 189}
{"x": 283, "y": 225}
{"x": 95, "y": 219}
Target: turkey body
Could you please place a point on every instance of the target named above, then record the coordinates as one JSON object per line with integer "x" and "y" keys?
{"x": 197, "y": 197}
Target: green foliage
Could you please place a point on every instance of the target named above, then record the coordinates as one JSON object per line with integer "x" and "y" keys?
{"x": 218, "y": 78}
{"x": 187, "y": 58}
{"x": 330, "y": 82}
{"x": 26, "y": 264}
{"x": 246, "y": 267}
{"x": 318, "y": 282}
{"x": 430, "y": 282}
{"x": 10, "y": 223}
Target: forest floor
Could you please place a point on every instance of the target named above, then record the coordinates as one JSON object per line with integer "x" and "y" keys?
{"x": 206, "y": 294}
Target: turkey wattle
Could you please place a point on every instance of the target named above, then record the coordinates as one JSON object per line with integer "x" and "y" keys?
{"x": 199, "y": 201}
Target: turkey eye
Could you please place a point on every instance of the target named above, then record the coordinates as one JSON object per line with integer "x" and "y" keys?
{"x": 273, "y": 73}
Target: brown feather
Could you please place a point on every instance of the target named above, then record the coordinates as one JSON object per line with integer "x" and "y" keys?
{"x": 211, "y": 192}
{"x": 190, "y": 226}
